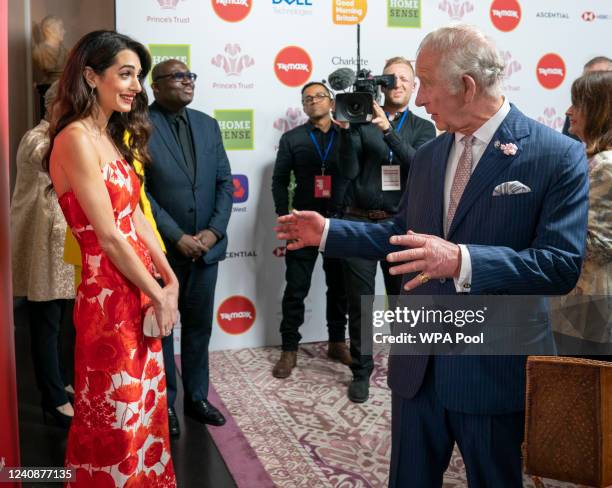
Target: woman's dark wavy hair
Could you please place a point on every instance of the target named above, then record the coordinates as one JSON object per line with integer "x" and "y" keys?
{"x": 98, "y": 50}
{"x": 592, "y": 96}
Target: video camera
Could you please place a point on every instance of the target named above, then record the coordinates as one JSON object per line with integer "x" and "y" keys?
{"x": 356, "y": 107}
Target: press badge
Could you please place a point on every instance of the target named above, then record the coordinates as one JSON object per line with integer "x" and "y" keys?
{"x": 322, "y": 186}
{"x": 390, "y": 177}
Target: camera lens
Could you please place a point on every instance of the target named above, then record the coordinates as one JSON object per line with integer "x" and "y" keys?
{"x": 355, "y": 109}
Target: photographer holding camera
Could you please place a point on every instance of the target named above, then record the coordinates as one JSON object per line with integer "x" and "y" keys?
{"x": 376, "y": 157}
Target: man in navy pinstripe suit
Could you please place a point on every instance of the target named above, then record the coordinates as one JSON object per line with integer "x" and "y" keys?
{"x": 496, "y": 205}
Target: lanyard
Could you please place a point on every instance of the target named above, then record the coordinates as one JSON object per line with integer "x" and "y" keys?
{"x": 322, "y": 155}
{"x": 398, "y": 128}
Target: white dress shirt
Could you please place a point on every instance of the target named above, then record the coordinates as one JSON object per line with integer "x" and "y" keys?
{"x": 482, "y": 138}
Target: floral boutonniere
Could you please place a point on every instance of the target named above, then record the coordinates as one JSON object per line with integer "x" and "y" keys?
{"x": 508, "y": 149}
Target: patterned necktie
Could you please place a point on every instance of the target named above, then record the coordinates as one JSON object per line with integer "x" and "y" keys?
{"x": 460, "y": 181}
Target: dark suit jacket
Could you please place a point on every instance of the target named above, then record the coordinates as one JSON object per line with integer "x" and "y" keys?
{"x": 182, "y": 205}
{"x": 363, "y": 150}
{"x": 524, "y": 244}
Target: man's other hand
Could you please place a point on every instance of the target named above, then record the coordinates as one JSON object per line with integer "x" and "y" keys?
{"x": 207, "y": 238}
{"x": 190, "y": 246}
{"x": 430, "y": 256}
{"x": 300, "y": 229}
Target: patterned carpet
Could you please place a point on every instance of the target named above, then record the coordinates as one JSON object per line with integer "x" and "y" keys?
{"x": 304, "y": 430}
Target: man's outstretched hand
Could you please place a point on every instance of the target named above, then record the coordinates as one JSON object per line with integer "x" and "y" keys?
{"x": 300, "y": 229}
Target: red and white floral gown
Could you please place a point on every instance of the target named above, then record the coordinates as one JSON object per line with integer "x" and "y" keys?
{"x": 119, "y": 435}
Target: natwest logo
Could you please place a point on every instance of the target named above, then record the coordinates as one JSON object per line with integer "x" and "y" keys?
{"x": 236, "y": 315}
{"x": 292, "y": 66}
{"x": 505, "y": 14}
{"x": 241, "y": 188}
{"x": 550, "y": 71}
{"x": 232, "y": 10}
{"x": 456, "y": 9}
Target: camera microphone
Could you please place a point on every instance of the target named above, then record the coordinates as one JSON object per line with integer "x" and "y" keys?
{"x": 342, "y": 79}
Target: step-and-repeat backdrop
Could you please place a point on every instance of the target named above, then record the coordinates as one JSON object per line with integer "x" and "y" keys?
{"x": 252, "y": 57}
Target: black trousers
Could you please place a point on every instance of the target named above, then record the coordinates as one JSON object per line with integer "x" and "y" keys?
{"x": 360, "y": 280}
{"x": 46, "y": 319}
{"x": 197, "y": 282}
{"x": 298, "y": 274}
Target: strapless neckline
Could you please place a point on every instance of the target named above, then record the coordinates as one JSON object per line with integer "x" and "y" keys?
{"x": 101, "y": 169}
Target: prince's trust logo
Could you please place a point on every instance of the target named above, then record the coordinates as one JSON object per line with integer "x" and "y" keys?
{"x": 456, "y": 9}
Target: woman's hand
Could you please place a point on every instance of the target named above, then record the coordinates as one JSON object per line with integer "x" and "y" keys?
{"x": 166, "y": 309}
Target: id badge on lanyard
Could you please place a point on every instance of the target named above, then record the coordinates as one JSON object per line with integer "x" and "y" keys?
{"x": 390, "y": 175}
{"x": 323, "y": 182}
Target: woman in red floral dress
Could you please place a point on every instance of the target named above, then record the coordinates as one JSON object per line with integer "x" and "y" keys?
{"x": 119, "y": 434}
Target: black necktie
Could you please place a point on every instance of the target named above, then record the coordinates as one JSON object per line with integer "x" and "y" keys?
{"x": 182, "y": 130}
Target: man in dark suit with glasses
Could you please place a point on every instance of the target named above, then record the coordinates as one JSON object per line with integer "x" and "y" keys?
{"x": 190, "y": 187}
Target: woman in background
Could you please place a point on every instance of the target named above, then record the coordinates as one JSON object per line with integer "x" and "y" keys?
{"x": 119, "y": 435}
{"x": 588, "y": 308}
{"x": 39, "y": 272}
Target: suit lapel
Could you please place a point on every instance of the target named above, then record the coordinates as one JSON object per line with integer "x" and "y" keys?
{"x": 166, "y": 135}
{"x": 438, "y": 172}
{"x": 491, "y": 164}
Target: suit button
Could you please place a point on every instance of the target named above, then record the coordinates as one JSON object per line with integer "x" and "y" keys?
{"x": 190, "y": 210}
{"x": 442, "y": 280}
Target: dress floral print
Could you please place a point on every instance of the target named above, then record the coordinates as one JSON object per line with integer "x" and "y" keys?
{"x": 119, "y": 435}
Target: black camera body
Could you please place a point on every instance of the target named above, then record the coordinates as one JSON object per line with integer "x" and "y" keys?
{"x": 356, "y": 107}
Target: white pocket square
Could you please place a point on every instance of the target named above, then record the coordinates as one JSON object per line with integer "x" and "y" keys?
{"x": 510, "y": 188}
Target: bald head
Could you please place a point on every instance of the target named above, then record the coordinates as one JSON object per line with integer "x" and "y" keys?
{"x": 170, "y": 92}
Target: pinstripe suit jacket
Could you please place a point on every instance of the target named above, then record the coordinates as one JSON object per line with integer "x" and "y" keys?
{"x": 525, "y": 244}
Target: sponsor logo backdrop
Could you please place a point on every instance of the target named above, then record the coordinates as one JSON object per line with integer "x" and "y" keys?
{"x": 251, "y": 57}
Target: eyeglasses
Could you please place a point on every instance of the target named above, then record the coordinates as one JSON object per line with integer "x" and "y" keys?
{"x": 317, "y": 97}
{"x": 179, "y": 76}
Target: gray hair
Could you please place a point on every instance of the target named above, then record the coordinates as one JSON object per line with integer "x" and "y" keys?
{"x": 465, "y": 50}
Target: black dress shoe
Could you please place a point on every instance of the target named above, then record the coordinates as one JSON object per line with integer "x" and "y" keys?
{"x": 204, "y": 412}
{"x": 359, "y": 390}
{"x": 174, "y": 427}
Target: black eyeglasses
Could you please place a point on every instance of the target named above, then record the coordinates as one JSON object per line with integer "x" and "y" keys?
{"x": 179, "y": 76}
{"x": 317, "y": 97}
